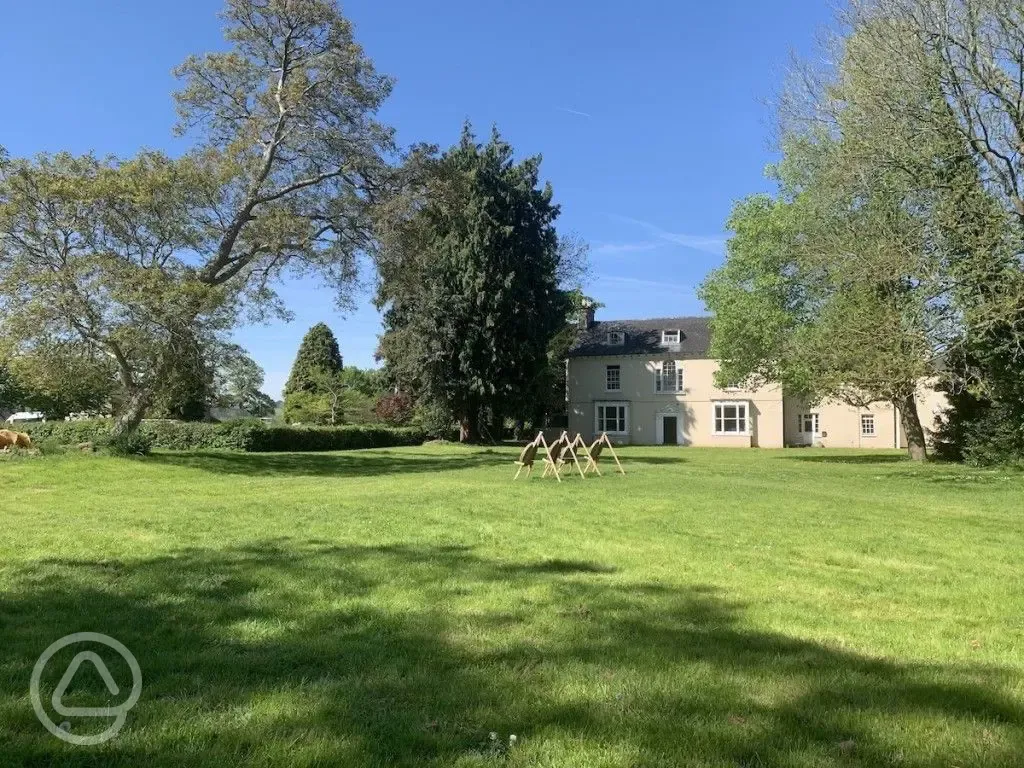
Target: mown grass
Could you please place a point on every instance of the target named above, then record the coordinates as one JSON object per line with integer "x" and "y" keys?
{"x": 394, "y": 607}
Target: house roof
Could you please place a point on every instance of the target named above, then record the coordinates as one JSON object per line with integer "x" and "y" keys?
{"x": 643, "y": 337}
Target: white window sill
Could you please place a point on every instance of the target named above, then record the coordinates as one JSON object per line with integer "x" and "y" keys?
{"x": 732, "y": 434}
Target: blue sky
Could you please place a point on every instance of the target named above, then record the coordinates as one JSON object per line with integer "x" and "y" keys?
{"x": 651, "y": 116}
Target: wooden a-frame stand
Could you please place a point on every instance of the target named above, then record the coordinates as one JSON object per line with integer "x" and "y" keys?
{"x": 592, "y": 453}
{"x": 554, "y": 455}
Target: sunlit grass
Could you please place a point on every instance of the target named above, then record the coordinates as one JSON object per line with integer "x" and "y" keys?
{"x": 395, "y": 607}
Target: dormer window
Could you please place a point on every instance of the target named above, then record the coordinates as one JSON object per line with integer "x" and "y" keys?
{"x": 669, "y": 337}
{"x": 615, "y": 338}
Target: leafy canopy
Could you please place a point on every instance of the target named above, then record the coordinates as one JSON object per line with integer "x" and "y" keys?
{"x": 470, "y": 267}
{"x": 136, "y": 257}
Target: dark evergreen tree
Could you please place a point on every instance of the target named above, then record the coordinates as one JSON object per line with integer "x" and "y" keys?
{"x": 549, "y": 405}
{"x": 469, "y": 266}
{"x": 10, "y": 392}
{"x": 185, "y": 389}
{"x": 314, "y": 377}
{"x": 985, "y": 421}
{"x": 985, "y": 370}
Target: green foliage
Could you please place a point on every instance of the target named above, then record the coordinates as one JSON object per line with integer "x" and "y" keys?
{"x": 70, "y": 432}
{"x": 10, "y": 390}
{"x": 349, "y": 437}
{"x": 238, "y": 382}
{"x": 315, "y": 387}
{"x": 138, "y": 256}
{"x": 980, "y": 432}
{"x": 307, "y": 408}
{"x": 883, "y": 252}
{"x": 435, "y": 420}
{"x": 249, "y": 435}
{"x": 549, "y": 405}
{"x": 59, "y": 378}
{"x": 395, "y": 408}
{"x": 138, "y": 443}
{"x": 185, "y": 389}
{"x": 317, "y": 353}
{"x": 365, "y": 381}
{"x": 470, "y": 265}
{"x": 985, "y": 423}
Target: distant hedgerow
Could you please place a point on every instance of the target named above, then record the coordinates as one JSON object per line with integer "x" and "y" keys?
{"x": 244, "y": 435}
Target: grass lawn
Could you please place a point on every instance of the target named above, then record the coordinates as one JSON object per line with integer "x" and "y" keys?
{"x": 394, "y": 607}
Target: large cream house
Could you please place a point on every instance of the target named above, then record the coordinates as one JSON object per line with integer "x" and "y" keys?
{"x": 652, "y": 382}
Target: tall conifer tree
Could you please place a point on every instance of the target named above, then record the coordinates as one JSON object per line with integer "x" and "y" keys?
{"x": 470, "y": 265}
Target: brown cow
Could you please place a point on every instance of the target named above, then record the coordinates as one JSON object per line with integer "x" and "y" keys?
{"x": 9, "y": 439}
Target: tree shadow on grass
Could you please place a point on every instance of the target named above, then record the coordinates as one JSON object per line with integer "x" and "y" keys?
{"x": 299, "y": 654}
{"x": 341, "y": 464}
{"x": 885, "y": 458}
{"x": 368, "y": 463}
{"x": 642, "y": 458}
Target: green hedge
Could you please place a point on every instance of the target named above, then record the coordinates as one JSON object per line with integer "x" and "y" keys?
{"x": 251, "y": 435}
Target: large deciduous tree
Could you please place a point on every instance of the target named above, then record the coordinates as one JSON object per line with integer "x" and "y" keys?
{"x": 136, "y": 257}
{"x": 973, "y": 51}
{"x": 876, "y": 256}
{"x": 470, "y": 265}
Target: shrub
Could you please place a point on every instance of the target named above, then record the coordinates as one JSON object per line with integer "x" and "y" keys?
{"x": 394, "y": 408}
{"x": 994, "y": 438}
{"x": 288, "y": 438}
{"x": 70, "y": 432}
{"x": 244, "y": 435}
{"x": 138, "y": 443}
{"x": 436, "y": 421}
{"x": 980, "y": 432}
{"x": 190, "y": 435}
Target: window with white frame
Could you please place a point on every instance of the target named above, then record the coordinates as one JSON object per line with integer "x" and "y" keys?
{"x": 613, "y": 378}
{"x": 615, "y": 338}
{"x": 867, "y": 425}
{"x": 668, "y": 377}
{"x": 612, "y": 418}
{"x": 809, "y": 423}
{"x": 731, "y": 418}
{"x": 669, "y": 337}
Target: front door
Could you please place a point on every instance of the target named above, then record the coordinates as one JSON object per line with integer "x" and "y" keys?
{"x": 669, "y": 431}
{"x": 810, "y": 428}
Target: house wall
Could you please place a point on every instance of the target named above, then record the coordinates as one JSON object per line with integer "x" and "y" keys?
{"x": 693, "y": 407}
{"x": 840, "y": 425}
{"x": 930, "y": 405}
{"x": 774, "y": 419}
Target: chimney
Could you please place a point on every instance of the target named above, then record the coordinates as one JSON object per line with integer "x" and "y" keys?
{"x": 587, "y": 316}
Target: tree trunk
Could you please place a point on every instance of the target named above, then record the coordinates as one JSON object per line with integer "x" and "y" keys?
{"x": 497, "y": 426}
{"x": 131, "y": 414}
{"x": 469, "y": 424}
{"x": 912, "y": 428}
{"x": 469, "y": 429}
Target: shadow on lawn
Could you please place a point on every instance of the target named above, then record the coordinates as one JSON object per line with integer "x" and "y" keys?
{"x": 239, "y": 669}
{"x": 361, "y": 463}
{"x": 885, "y": 458}
{"x": 340, "y": 464}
